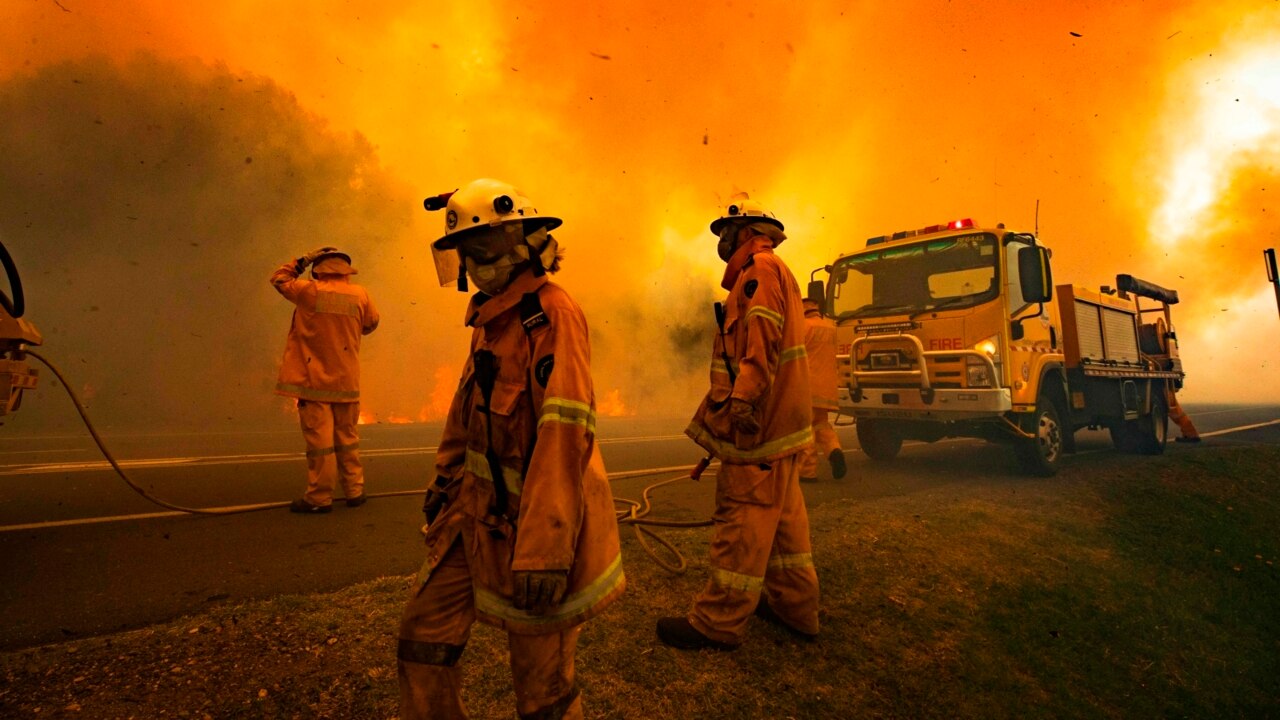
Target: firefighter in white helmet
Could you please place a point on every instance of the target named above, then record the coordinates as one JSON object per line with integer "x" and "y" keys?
{"x": 321, "y": 368}
{"x": 756, "y": 420}
{"x": 521, "y": 531}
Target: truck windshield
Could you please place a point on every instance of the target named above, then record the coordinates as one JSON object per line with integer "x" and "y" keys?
{"x": 951, "y": 272}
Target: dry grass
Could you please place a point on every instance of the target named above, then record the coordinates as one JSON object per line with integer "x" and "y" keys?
{"x": 1150, "y": 591}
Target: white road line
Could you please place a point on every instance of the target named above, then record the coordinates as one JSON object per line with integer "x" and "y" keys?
{"x": 1240, "y": 429}
{"x": 1219, "y": 412}
{"x": 94, "y": 465}
{"x": 625, "y": 474}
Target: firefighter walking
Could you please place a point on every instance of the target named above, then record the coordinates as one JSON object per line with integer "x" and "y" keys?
{"x": 820, "y": 346}
{"x": 321, "y": 369}
{"x": 756, "y": 420}
{"x": 521, "y": 530}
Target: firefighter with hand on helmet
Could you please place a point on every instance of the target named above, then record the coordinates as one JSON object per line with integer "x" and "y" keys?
{"x": 521, "y": 530}
{"x": 321, "y": 368}
{"x": 756, "y": 420}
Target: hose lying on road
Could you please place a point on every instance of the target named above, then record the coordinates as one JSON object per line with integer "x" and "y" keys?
{"x": 635, "y": 514}
{"x": 75, "y": 399}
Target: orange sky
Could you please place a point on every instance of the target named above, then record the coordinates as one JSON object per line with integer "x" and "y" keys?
{"x": 1149, "y": 133}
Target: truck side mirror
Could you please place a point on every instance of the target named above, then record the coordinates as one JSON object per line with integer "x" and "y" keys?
{"x": 817, "y": 292}
{"x": 1034, "y": 275}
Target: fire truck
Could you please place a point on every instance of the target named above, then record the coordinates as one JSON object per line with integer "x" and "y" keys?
{"x": 955, "y": 330}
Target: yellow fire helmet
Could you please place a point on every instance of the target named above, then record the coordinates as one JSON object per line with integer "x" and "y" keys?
{"x": 741, "y": 207}
{"x": 485, "y": 203}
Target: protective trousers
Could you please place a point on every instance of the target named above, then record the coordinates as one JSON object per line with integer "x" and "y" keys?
{"x": 434, "y": 630}
{"x": 824, "y": 441}
{"x": 761, "y": 542}
{"x": 1180, "y": 417}
{"x": 333, "y": 449}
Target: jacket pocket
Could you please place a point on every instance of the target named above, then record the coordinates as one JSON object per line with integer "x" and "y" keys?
{"x": 750, "y": 484}
{"x": 506, "y": 397}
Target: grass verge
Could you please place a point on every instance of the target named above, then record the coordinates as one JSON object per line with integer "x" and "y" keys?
{"x": 1145, "y": 588}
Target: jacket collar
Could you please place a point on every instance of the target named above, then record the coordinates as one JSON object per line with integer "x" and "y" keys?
{"x": 741, "y": 258}
{"x": 484, "y": 308}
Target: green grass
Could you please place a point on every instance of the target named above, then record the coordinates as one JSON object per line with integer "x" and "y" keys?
{"x": 1126, "y": 587}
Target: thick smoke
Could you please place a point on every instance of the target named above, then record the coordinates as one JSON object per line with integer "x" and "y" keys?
{"x": 147, "y": 203}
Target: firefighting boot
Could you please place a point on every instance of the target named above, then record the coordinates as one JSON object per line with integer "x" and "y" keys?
{"x": 838, "y": 467}
{"x": 766, "y": 613}
{"x": 679, "y": 634}
{"x": 306, "y": 508}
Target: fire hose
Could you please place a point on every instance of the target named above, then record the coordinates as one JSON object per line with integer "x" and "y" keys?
{"x": 634, "y": 513}
{"x": 93, "y": 431}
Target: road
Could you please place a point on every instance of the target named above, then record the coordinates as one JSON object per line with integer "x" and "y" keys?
{"x": 85, "y": 555}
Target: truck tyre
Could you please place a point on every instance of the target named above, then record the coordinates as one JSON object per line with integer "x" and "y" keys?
{"x": 879, "y": 440}
{"x": 1152, "y": 431}
{"x": 1041, "y": 455}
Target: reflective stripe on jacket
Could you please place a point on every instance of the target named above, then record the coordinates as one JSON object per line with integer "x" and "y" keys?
{"x": 820, "y": 345}
{"x": 322, "y": 354}
{"x": 763, "y": 337}
{"x": 560, "y": 512}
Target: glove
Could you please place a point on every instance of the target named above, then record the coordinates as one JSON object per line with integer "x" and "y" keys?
{"x": 310, "y": 257}
{"x": 435, "y": 500}
{"x": 743, "y": 417}
{"x": 538, "y": 591}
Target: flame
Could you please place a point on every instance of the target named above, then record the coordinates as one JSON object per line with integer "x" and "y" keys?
{"x": 446, "y": 383}
{"x": 611, "y": 405}
{"x": 367, "y": 418}
{"x": 395, "y": 419}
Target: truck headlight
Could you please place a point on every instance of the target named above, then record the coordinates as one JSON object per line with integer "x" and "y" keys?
{"x": 978, "y": 374}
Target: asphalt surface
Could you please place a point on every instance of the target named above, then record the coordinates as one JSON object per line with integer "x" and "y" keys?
{"x": 86, "y": 555}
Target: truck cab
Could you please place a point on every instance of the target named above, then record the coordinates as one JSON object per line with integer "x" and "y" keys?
{"x": 952, "y": 330}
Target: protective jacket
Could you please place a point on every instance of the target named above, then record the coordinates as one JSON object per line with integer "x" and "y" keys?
{"x": 322, "y": 355}
{"x": 758, "y": 356}
{"x": 820, "y": 346}
{"x": 526, "y": 405}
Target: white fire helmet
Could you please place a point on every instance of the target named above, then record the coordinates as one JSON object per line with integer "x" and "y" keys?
{"x": 743, "y": 209}
{"x": 477, "y": 206}
{"x": 333, "y": 262}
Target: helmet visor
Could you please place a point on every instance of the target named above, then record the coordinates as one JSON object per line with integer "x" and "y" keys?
{"x": 447, "y": 265}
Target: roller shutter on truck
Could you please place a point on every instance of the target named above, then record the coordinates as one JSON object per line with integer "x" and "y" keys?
{"x": 1098, "y": 329}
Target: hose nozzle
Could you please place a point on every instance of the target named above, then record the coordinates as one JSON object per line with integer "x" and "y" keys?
{"x": 696, "y": 472}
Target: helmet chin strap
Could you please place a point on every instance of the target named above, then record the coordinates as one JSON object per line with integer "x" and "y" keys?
{"x": 462, "y": 274}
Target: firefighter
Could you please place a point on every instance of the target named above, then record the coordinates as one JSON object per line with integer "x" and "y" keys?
{"x": 535, "y": 553}
{"x": 820, "y": 346}
{"x": 756, "y": 420}
{"x": 1189, "y": 434}
{"x": 321, "y": 368}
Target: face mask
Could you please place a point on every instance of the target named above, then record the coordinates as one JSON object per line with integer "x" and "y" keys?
{"x": 493, "y": 277}
{"x": 727, "y": 244}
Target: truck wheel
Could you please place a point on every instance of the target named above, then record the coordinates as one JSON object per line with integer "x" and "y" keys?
{"x": 1152, "y": 431}
{"x": 1042, "y": 454}
{"x": 879, "y": 440}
